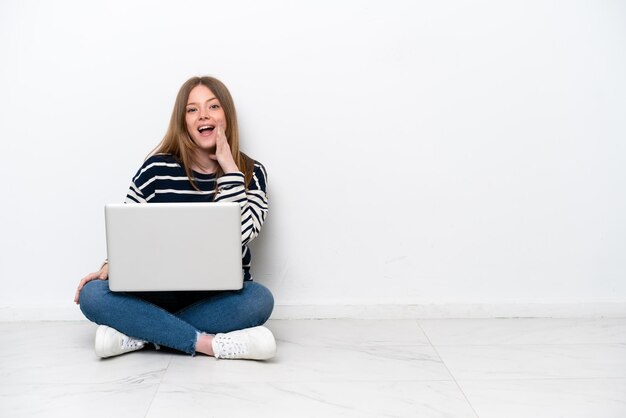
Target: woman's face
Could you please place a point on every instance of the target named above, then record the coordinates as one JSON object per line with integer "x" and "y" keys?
{"x": 203, "y": 115}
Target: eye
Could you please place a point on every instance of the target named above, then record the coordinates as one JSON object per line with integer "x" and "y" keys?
{"x": 214, "y": 106}
{"x": 191, "y": 109}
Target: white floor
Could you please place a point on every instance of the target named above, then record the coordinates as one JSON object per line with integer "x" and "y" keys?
{"x": 501, "y": 368}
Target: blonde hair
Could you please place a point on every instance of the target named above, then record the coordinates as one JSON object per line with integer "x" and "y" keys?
{"x": 178, "y": 142}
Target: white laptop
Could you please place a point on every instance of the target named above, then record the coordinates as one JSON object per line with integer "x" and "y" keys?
{"x": 174, "y": 246}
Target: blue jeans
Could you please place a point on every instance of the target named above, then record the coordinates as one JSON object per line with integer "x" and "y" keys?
{"x": 175, "y": 319}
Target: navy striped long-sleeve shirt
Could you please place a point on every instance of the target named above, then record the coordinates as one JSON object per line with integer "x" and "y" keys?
{"x": 162, "y": 179}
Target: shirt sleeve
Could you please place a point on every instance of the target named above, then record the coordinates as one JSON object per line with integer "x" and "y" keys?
{"x": 253, "y": 199}
{"x": 134, "y": 195}
{"x": 140, "y": 184}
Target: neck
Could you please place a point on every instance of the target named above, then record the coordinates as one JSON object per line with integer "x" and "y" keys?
{"x": 204, "y": 164}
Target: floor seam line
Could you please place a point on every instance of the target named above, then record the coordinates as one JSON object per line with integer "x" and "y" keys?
{"x": 156, "y": 392}
{"x": 449, "y": 371}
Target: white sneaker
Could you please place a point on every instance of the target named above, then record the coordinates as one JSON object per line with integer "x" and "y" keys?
{"x": 110, "y": 342}
{"x": 251, "y": 343}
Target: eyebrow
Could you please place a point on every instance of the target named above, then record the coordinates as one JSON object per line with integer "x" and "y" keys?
{"x": 194, "y": 103}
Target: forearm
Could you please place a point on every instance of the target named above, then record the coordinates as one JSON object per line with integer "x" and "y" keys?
{"x": 253, "y": 203}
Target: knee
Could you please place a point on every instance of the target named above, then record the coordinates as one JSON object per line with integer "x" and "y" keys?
{"x": 92, "y": 297}
{"x": 263, "y": 301}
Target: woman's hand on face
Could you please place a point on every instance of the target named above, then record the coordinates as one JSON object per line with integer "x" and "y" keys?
{"x": 103, "y": 274}
{"x": 223, "y": 156}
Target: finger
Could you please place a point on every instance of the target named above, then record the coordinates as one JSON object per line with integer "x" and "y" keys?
{"x": 222, "y": 133}
{"x": 221, "y": 138}
{"x": 77, "y": 294}
{"x": 82, "y": 283}
{"x": 219, "y": 147}
{"x": 84, "y": 280}
{"x": 88, "y": 277}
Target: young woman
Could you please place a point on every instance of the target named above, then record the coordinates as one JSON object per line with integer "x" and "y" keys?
{"x": 199, "y": 160}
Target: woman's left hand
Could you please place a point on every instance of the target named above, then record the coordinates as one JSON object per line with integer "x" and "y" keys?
{"x": 223, "y": 156}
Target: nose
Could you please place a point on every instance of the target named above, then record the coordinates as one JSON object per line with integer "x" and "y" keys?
{"x": 204, "y": 113}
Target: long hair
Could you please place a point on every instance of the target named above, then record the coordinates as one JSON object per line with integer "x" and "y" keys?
{"x": 178, "y": 142}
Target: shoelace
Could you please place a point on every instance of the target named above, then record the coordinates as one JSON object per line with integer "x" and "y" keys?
{"x": 129, "y": 343}
{"x": 228, "y": 348}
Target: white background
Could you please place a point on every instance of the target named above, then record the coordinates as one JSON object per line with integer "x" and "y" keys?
{"x": 419, "y": 153}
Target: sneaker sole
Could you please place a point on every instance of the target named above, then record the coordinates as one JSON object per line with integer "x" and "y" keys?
{"x": 100, "y": 340}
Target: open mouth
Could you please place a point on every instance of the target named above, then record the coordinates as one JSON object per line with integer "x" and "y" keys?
{"x": 206, "y": 128}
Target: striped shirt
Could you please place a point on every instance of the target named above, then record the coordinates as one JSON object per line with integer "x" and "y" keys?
{"x": 162, "y": 179}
